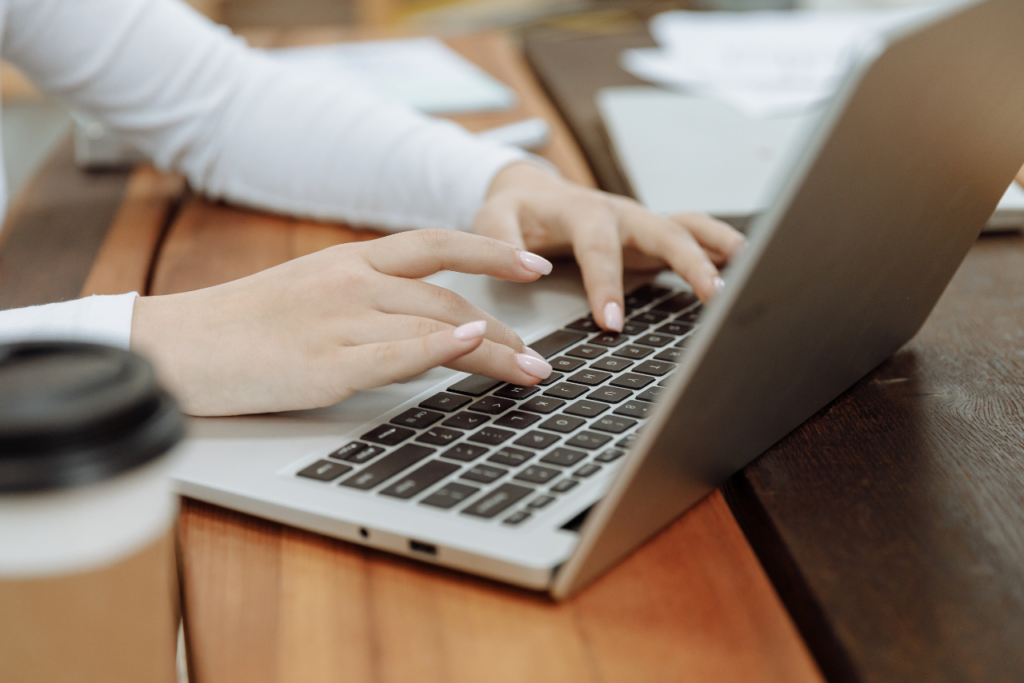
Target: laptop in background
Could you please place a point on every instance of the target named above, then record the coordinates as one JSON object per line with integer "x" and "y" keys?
{"x": 679, "y": 153}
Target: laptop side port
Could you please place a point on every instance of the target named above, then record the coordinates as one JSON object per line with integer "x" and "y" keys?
{"x": 425, "y": 548}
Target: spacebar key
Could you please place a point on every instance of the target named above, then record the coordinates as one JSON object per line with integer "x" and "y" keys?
{"x": 387, "y": 467}
{"x": 497, "y": 500}
{"x": 556, "y": 341}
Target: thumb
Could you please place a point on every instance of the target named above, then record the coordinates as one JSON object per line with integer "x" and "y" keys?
{"x": 383, "y": 363}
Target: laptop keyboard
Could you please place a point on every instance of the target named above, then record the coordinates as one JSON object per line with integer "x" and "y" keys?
{"x": 491, "y": 450}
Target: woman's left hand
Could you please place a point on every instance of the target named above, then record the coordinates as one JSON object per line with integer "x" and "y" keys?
{"x": 536, "y": 210}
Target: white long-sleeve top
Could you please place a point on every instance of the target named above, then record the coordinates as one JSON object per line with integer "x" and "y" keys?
{"x": 240, "y": 125}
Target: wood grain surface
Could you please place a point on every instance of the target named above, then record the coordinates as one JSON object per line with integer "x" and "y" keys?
{"x": 264, "y": 602}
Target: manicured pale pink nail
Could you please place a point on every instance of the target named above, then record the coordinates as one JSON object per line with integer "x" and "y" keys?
{"x": 530, "y": 352}
{"x": 613, "y": 316}
{"x": 531, "y": 366}
{"x": 719, "y": 284}
{"x": 532, "y": 262}
{"x": 470, "y": 330}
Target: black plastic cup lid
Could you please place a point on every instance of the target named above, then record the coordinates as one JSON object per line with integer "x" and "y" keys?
{"x": 73, "y": 414}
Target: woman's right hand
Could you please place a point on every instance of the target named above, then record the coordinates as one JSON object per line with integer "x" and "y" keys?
{"x": 313, "y": 331}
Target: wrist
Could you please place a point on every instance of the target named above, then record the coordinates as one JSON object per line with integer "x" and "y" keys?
{"x": 521, "y": 175}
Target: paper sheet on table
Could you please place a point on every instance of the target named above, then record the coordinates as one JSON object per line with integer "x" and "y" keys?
{"x": 422, "y": 73}
{"x": 763, "y": 63}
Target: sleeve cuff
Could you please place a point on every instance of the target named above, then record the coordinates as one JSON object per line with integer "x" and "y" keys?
{"x": 98, "y": 319}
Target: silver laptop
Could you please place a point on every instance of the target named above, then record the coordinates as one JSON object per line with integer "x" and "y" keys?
{"x": 549, "y": 487}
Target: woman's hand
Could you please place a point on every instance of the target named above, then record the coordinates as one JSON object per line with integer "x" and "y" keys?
{"x": 534, "y": 209}
{"x": 1020, "y": 177}
{"x": 313, "y": 331}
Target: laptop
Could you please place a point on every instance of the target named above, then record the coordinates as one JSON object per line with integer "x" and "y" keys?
{"x": 548, "y": 487}
{"x": 681, "y": 152}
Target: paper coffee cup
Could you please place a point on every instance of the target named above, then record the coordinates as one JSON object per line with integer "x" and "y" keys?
{"x": 88, "y": 589}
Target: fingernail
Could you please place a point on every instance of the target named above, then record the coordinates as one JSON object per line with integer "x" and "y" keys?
{"x": 719, "y": 284}
{"x": 470, "y": 330}
{"x": 537, "y": 264}
{"x": 531, "y": 366}
{"x": 530, "y": 352}
{"x": 613, "y": 316}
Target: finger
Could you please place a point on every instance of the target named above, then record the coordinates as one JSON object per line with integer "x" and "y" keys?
{"x": 420, "y": 253}
{"x": 392, "y": 325}
{"x": 499, "y": 222}
{"x": 721, "y": 240}
{"x": 1020, "y": 176}
{"x": 657, "y": 235}
{"x": 598, "y": 250}
{"x": 383, "y": 363}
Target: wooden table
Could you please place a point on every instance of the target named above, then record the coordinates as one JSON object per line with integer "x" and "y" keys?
{"x": 890, "y": 523}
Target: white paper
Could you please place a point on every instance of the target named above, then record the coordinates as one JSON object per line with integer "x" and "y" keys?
{"x": 422, "y": 73}
{"x": 763, "y": 63}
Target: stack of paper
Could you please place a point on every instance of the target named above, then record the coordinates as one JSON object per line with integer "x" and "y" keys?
{"x": 422, "y": 73}
{"x": 763, "y": 63}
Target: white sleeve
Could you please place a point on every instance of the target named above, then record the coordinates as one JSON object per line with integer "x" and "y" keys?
{"x": 244, "y": 127}
{"x": 99, "y": 319}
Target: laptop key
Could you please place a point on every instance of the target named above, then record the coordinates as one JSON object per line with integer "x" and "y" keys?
{"x": 645, "y": 294}
{"x": 587, "y": 352}
{"x": 419, "y": 480}
{"x": 543, "y": 405}
{"x": 679, "y": 302}
{"x": 551, "y": 379}
{"x": 587, "y": 470}
{"x": 536, "y": 474}
{"x": 492, "y": 405}
{"x": 564, "y": 364}
{"x": 497, "y": 501}
{"x": 439, "y": 436}
{"x": 541, "y": 502}
{"x": 609, "y": 395}
{"x": 684, "y": 342}
{"x": 516, "y": 420}
{"x": 417, "y": 418}
{"x": 670, "y": 355}
{"x": 348, "y": 450}
{"x": 464, "y": 452}
{"x": 633, "y": 352}
{"x": 628, "y": 441}
{"x": 324, "y": 470}
{"x": 649, "y": 318}
{"x": 586, "y": 408}
{"x": 491, "y": 436}
{"x": 513, "y": 457}
{"x": 449, "y": 495}
{"x": 637, "y": 409}
{"x": 388, "y": 435}
{"x": 557, "y": 341}
{"x": 474, "y": 385}
{"x": 633, "y": 328}
{"x": 610, "y": 455}
{"x": 675, "y": 328}
{"x": 564, "y": 457}
{"x": 589, "y": 377}
{"x": 609, "y": 339}
{"x": 445, "y": 402}
{"x": 387, "y": 467}
{"x": 613, "y": 424}
{"x": 650, "y": 395}
{"x": 538, "y": 440}
{"x": 630, "y": 380}
{"x": 690, "y": 316}
{"x": 563, "y": 390}
{"x": 517, "y": 518}
{"x": 365, "y": 455}
{"x": 516, "y": 392}
{"x": 465, "y": 420}
{"x": 611, "y": 364}
{"x": 584, "y": 325}
{"x": 655, "y": 340}
{"x": 565, "y": 485}
{"x": 563, "y": 424}
{"x": 589, "y": 440}
{"x": 655, "y": 367}
{"x": 484, "y": 473}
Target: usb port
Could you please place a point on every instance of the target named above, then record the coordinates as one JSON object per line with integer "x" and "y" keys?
{"x": 426, "y": 548}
